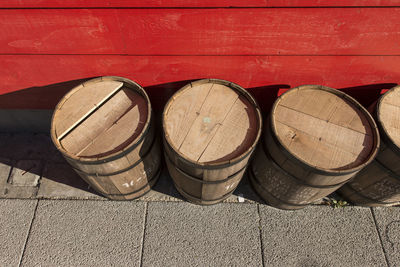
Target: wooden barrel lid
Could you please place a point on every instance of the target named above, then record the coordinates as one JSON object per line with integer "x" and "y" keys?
{"x": 100, "y": 118}
{"x": 388, "y": 114}
{"x": 324, "y": 128}
{"x": 211, "y": 121}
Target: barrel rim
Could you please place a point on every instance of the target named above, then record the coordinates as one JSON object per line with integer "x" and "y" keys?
{"x": 346, "y": 97}
{"x": 384, "y": 132}
{"x": 199, "y": 180}
{"x": 294, "y": 177}
{"x": 257, "y": 186}
{"x": 367, "y": 201}
{"x": 200, "y": 201}
{"x": 214, "y": 165}
{"x": 129, "y": 147}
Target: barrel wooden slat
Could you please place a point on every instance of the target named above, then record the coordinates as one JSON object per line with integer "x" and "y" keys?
{"x": 78, "y": 104}
{"x": 211, "y": 128}
{"x": 207, "y": 124}
{"x": 110, "y": 142}
{"x": 123, "y": 131}
{"x": 379, "y": 183}
{"x": 316, "y": 139}
{"x": 214, "y": 173}
{"x": 280, "y": 183}
{"x": 201, "y": 190}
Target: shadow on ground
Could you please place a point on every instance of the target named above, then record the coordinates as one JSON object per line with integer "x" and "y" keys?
{"x": 35, "y": 153}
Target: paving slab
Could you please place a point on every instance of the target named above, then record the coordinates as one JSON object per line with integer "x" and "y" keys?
{"x": 60, "y": 181}
{"x": 388, "y": 223}
{"x": 17, "y": 190}
{"x": 15, "y": 220}
{"x": 184, "y": 234}
{"x": 86, "y": 233}
{"x": 26, "y": 173}
{"x": 320, "y": 236}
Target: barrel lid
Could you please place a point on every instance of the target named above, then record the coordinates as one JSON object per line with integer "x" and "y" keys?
{"x": 388, "y": 114}
{"x": 100, "y": 118}
{"x": 324, "y": 128}
{"x": 211, "y": 121}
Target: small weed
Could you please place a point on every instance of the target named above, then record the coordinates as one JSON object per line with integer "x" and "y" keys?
{"x": 337, "y": 203}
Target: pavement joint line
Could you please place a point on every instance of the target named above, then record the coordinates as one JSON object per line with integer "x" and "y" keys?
{"x": 42, "y": 167}
{"x": 380, "y": 237}
{"x": 260, "y": 232}
{"x": 146, "y": 211}
{"x": 28, "y": 234}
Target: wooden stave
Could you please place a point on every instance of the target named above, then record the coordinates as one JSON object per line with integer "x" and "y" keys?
{"x": 388, "y": 154}
{"x": 198, "y": 201}
{"x": 309, "y": 175}
{"x": 208, "y": 171}
{"x": 216, "y": 165}
{"x": 90, "y": 160}
{"x": 200, "y": 191}
{"x": 125, "y": 157}
{"x": 213, "y": 173}
{"x": 106, "y": 184}
{"x": 328, "y": 177}
{"x": 270, "y": 199}
{"x": 137, "y": 151}
{"x": 292, "y": 193}
{"x": 356, "y": 198}
{"x": 382, "y": 130}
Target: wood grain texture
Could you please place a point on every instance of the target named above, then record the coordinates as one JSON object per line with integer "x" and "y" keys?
{"x": 184, "y": 109}
{"x": 305, "y": 173}
{"x": 191, "y": 3}
{"x": 87, "y": 138}
{"x": 236, "y": 134}
{"x": 113, "y": 147}
{"x": 389, "y": 114}
{"x": 213, "y": 127}
{"x": 81, "y": 102}
{"x": 265, "y": 31}
{"x": 283, "y": 187}
{"x": 43, "y": 31}
{"x": 22, "y": 76}
{"x": 323, "y": 129}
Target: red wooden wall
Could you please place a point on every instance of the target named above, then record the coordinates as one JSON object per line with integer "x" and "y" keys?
{"x": 49, "y": 46}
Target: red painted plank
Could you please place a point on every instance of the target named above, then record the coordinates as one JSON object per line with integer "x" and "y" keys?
{"x": 31, "y": 81}
{"x": 270, "y": 31}
{"x": 332, "y": 3}
{"x": 60, "y": 31}
{"x": 191, "y": 3}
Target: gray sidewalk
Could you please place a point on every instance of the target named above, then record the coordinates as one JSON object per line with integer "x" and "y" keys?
{"x": 49, "y": 217}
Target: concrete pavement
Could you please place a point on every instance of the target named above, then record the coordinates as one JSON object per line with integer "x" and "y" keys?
{"x": 50, "y": 217}
{"x": 138, "y": 233}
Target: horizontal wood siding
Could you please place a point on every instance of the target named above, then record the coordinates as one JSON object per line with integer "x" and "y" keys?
{"x": 47, "y": 47}
{"x": 191, "y": 3}
{"x": 243, "y": 31}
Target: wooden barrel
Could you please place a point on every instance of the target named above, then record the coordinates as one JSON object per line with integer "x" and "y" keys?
{"x": 379, "y": 183}
{"x": 315, "y": 140}
{"x": 211, "y": 128}
{"x": 104, "y": 128}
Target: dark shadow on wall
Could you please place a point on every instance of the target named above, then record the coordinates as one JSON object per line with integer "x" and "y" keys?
{"x": 38, "y": 97}
{"x": 367, "y": 94}
{"x": 266, "y": 95}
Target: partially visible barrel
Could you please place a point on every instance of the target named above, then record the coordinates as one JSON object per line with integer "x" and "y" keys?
{"x": 316, "y": 139}
{"x": 104, "y": 128}
{"x": 211, "y": 128}
{"x": 379, "y": 183}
